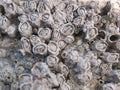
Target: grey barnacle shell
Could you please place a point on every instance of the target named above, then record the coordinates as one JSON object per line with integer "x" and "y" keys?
{"x": 62, "y": 44}
{"x": 6, "y": 1}
{"x": 52, "y": 60}
{"x": 11, "y": 30}
{"x": 117, "y": 45}
{"x": 44, "y": 33}
{"x": 56, "y": 35}
{"x": 25, "y": 43}
{"x": 34, "y": 39}
{"x": 4, "y": 22}
{"x": 60, "y": 78}
{"x": 78, "y": 21}
{"x": 40, "y": 70}
{"x": 110, "y": 57}
{"x": 25, "y": 29}
{"x": 67, "y": 29}
{"x": 81, "y": 12}
{"x": 26, "y": 86}
{"x": 96, "y": 18}
{"x": 23, "y": 18}
{"x": 109, "y": 86}
{"x": 69, "y": 39}
{"x": 53, "y": 48}
{"x": 40, "y": 48}
{"x": 64, "y": 86}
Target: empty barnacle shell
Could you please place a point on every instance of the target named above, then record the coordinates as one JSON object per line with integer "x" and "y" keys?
{"x": 91, "y": 33}
{"x": 102, "y": 34}
{"x": 96, "y": 18}
{"x": 81, "y": 12}
{"x": 40, "y": 48}
{"x": 64, "y": 54}
{"x": 62, "y": 44}
{"x": 78, "y": 21}
{"x": 109, "y": 86}
{"x": 4, "y": 22}
{"x": 110, "y": 57}
{"x": 69, "y": 39}
{"x": 100, "y": 46}
{"x": 23, "y": 18}
{"x": 67, "y": 29}
{"x": 25, "y": 78}
{"x": 34, "y": 39}
{"x": 52, "y": 60}
{"x": 25, "y": 43}
{"x": 40, "y": 70}
{"x": 26, "y": 86}
{"x": 44, "y": 33}
{"x": 25, "y": 29}
{"x": 11, "y": 30}
{"x": 53, "y": 48}
{"x": 3, "y": 52}
{"x": 113, "y": 38}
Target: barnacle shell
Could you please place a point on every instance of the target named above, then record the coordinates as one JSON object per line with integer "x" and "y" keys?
{"x": 53, "y": 48}
{"x": 60, "y": 78}
{"x": 67, "y": 29}
{"x": 62, "y": 44}
{"x": 69, "y": 39}
{"x": 113, "y": 38}
{"x": 78, "y": 21}
{"x": 109, "y": 86}
{"x": 2, "y": 52}
{"x": 40, "y": 48}
{"x": 81, "y": 11}
{"x": 64, "y": 86}
{"x": 96, "y": 18}
{"x": 26, "y": 86}
{"x": 44, "y": 33}
{"x": 25, "y": 29}
{"x": 34, "y": 39}
{"x": 117, "y": 45}
{"x": 23, "y": 18}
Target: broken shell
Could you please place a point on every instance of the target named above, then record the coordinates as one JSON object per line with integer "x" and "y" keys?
{"x": 25, "y": 29}
{"x": 67, "y": 29}
{"x": 34, "y": 39}
{"x": 69, "y": 39}
{"x": 40, "y": 48}
{"x": 53, "y": 48}
{"x": 26, "y": 86}
{"x": 44, "y": 33}
{"x": 52, "y": 60}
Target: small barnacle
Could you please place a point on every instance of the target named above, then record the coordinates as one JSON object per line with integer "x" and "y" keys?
{"x": 40, "y": 70}
{"x": 56, "y": 35}
{"x": 109, "y": 86}
{"x": 96, "y": 18}
{"x": 6, "y": 1}
{"x": 67, "y": 29}
{"x": 40, "y": 48}
{"x": 25, "y": 77}
{"x": 34, "y": 39}
{"x": 102, "y": 34}
{"x": 23, "y": 18}
{"x": 19, "y": 69}
{"x": 117, "y": 45}
{"x": 3, "y": 52}
{"x": 60, "y": 78}
{"x": 62, "y": 44}
{"x": 26, "y": 86}
{"x": 78, "y": 21}
{"x": 113, "y": 38}
{"x": 53, "y": 48}
{"x": 44, "y": 33}
{"x": 64, "y": 54}
{"x": 25, "y": 29}
{"x": 25, "y": 43}
{"x": 4, "y": 22}
{"x": 52, "y": 60}
{"x": 91, "y": 33}
{"x": 95, "y": 62}
{"x": 69, "y": 39}
{"x": 65, "y": 86}
{"x": 11, "y": 30}
{"x": 81, "y": 12}
{"x": 100, "y": 46}
{"x": 110, "y": 57}
{"x": 70, "y": 8}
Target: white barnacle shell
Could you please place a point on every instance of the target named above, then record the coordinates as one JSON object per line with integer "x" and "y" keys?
{"x": 100, "y": 46}
{"x": 96, "y": 18}
{"x": 44, "y": 33}
{"x": 3, "y": 52}
{"x": 56, "y": 35}
{"x": 69, "y": 39}
{"x": 81, "y": 12}
{"x": 52, "y": 60}
{"x": 23, "y": 18}
{"x": 71, "y": 7}
{"x": 11, "y": 30}
{"x": 26, "y": 86}
{"x": 34, "y": 39}
{"x": 25, "y": 78}
{"x": 25, "y": 43}
{"x": 4, "y": 22}
{"x": 65, "y": 86}
{"x": 110, "y": 57}
{"x": 91, "y": 33}
{"x": 78, "y": 21}
{"x": 62, "y": 44}
{"x": 67, "y": 29}
{"x": 25, "y": 29}
{"x": 40, "y": 48}
{"x": 40, "y": 70}
{"x": 109, "y": 86}
{"x": 60, "y": 78}
{"x": 53, "y": 48}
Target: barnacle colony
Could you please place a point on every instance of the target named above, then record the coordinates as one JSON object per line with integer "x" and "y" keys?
{"x": 59, "y": 44}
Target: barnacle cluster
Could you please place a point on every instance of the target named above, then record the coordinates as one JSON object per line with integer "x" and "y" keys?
{"x": 59, "y": 44}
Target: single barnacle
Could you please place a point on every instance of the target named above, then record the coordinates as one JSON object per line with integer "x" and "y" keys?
{"x": 19, "y": 69}
{"x": 117, "y": 45}
{"x": 40, "y": 48}
{"x": 64, "y": 54}
{"x": 3, "y": 52}
{"x": 44, "y": 33}
{"x": 25, "y": 78}
{"x": 65, "y": 86}
{"x": 56, "y": 35}
{"x": 100, "y": 46}
{"x": 69, "y": 39}
{"x": 52, "y": 60}
{"x": 60, "y": 78}
{"x": 4, "y": 22}
{"x": 102, "y": 34}
{"x": 11, "y": 30}
{"x": 81, "y": 11}
{"x": 25, "y": 43}
{"x": 67, "y": 29}
{"x": 91, "y": 33}
{"x": 78, "y": 21}
{"x": 53, "y": 48}
{"x": 34, "y": 39}
{"x": 69, "y": 17}
{"x": 62, "y": 44}
{"x": 96, "y": 18}
{"x": 40, "y": 70}
{"x": 110, "y": 57}
{"x": 25, "y": 29}
{"x": 26, "y": 86}
{"x": 23, "y": 18}
{"x": 95, "y": 62}
{"x": 109, "y": 86}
